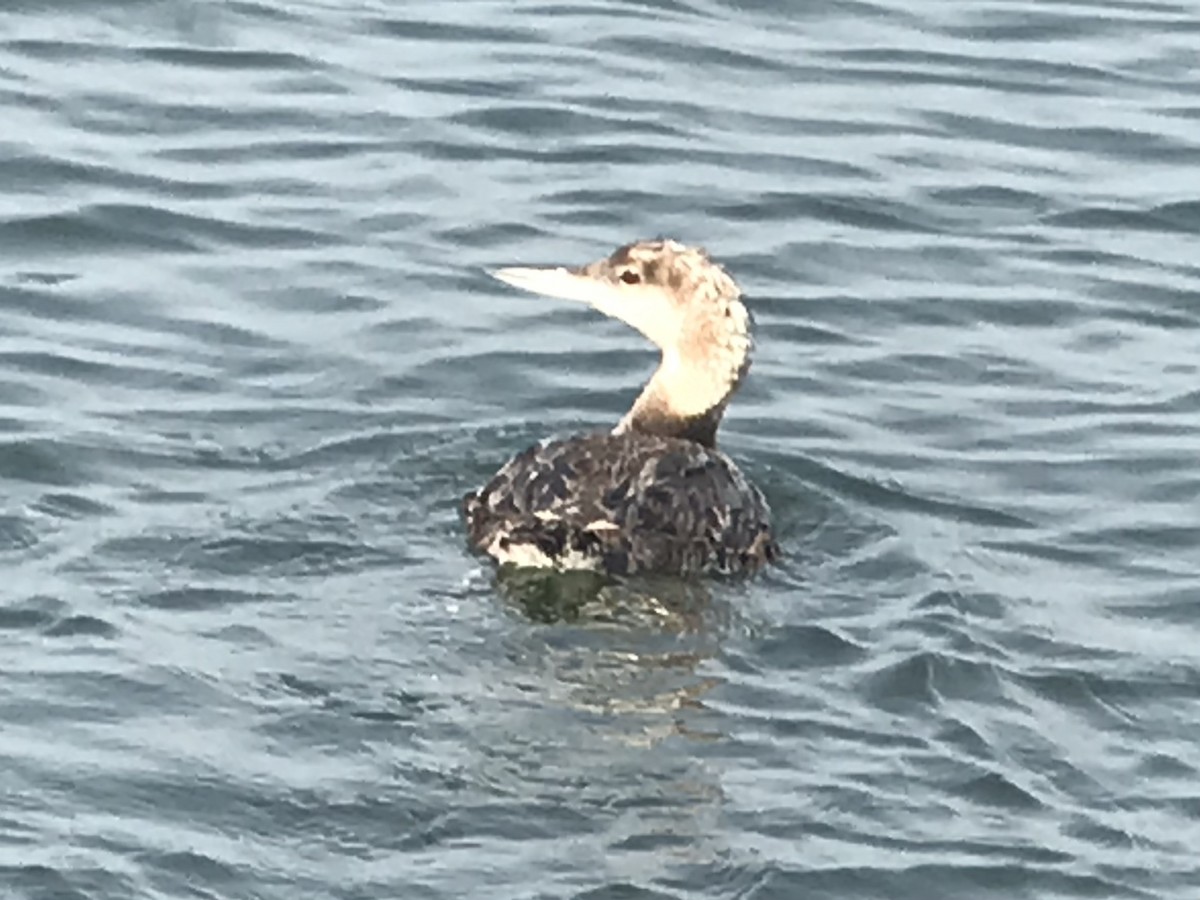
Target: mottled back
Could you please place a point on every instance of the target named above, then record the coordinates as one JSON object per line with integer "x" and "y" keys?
{"x": 624, "y": 504}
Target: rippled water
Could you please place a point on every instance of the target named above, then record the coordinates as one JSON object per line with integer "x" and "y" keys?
{"x": 251, "y": 361}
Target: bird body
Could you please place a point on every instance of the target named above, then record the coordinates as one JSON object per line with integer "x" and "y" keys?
{"x": 623, "y": 504}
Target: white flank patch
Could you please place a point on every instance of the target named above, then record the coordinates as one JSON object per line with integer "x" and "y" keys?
{"x": 530, "y": 556}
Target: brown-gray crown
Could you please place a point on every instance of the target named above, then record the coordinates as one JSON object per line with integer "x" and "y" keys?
{"x": 685, "y": 273}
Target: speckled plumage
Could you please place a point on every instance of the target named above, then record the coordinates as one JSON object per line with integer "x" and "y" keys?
{"x": 655, "y": 495}
{"x": 622, "y": 504}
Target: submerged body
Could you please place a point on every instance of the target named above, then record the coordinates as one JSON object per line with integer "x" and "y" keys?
{"x": 654, "y": 495}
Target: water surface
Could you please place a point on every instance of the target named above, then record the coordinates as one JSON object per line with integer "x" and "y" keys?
{"x": 251, "y": 360}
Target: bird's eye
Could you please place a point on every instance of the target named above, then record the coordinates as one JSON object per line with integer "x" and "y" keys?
{"x": 630, "y": 277}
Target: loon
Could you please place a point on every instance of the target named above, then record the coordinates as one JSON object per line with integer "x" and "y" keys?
{"x": 654, "y": 495}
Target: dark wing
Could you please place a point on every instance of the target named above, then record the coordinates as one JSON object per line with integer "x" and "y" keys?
{"x": 622, "y": 503}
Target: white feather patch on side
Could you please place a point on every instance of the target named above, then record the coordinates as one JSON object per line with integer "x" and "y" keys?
{"x": 530, "y": 556}
{"x": 601, "y": 525}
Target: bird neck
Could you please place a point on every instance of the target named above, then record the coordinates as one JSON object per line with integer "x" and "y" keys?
{"x": 686, "y": 397}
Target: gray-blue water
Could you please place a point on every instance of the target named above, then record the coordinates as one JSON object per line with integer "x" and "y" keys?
{"x": 250, "y": 360}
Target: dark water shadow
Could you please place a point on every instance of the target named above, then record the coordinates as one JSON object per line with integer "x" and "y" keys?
{"x": 582, "y": 597}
